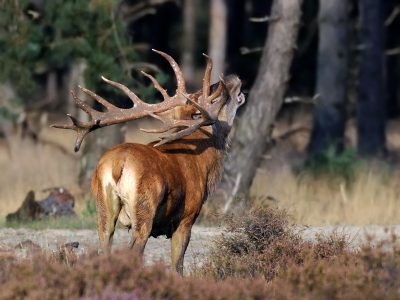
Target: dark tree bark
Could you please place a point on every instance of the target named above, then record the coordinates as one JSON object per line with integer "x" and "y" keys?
{"x": 265, "y": 99}
{"x": 372, "y": 96}
{"x": 332, "y": 70}
{"x": 392, "y": 60}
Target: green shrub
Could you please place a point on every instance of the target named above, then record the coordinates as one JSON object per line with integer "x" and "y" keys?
{"x": 342, "y": 166}
{"x": 90, "y": 208}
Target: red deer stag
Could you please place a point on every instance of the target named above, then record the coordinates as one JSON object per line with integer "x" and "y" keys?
{"x": 159, "y": 188}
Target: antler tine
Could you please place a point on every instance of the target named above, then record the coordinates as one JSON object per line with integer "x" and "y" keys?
{"x": 81, "y": 128}
{"x": 115, "y": 115}
{"x": 135, "y": 99}
{"x": 219, "y": 89}
{"x": 99, "y": 99}
{"x": 177, "y": 135}
{"x": 157, "y": 86}
{"x": 178, "y": 73}
{"x": 192, "y": 126}
{"x": 207, "y": 77}
{"x": 82, "y": 105}
{"x": 169, "y": 124}
{"x": 208, "y": 110}
{"x": 202, "y": 110}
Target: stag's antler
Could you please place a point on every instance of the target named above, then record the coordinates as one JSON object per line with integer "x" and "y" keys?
{"x": 209, "y": 110}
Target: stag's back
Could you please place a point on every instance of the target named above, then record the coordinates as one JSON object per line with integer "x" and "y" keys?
{"x": 171, "y": 180}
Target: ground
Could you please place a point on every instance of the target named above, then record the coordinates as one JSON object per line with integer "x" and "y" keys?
{"x": 159, "y": 248}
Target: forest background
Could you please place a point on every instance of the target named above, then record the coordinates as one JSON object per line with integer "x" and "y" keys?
{"x": 319, "y": 135}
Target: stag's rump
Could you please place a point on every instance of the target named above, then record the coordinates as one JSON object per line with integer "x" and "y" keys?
{"x": 139, "y": 182}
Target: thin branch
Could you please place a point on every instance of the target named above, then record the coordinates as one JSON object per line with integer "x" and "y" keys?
{"x": 393, "y": 51}
{"x": 245, "y": 50}
{"x": 118, "y": 42}
{"x": 307, "y": 100}
{"x": 140, "y": 14}
{"x": 392, "y": 16}
{"x": 144, "y": 8}
{"x": 264, "y": 19}
{"x": 144, "y": 65}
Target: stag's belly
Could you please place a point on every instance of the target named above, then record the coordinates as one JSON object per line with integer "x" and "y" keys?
{"x": 157, "y": 199}
{"x": 165, "y": 221}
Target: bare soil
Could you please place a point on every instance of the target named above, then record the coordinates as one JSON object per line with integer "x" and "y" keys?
{"x": 159, "y": 248}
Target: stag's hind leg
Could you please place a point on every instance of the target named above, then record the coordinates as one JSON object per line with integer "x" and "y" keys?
{"x": 108, "y": 208}
{"x": 143, "y": 224}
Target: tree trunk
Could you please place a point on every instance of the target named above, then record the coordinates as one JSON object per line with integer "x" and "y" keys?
{"x": 218, "y": 37}
{"x": 51, "y": 87}
{"x": 330, "y": 112}
{"x": 189, "y": 44}
{"x": 75, "y": 78}
{"x": 371, "y": 101}
{"x": 265, "y": 100}
{"x": 97, "y": 142}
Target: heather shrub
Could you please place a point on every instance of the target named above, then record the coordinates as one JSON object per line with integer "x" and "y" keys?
{"x": 324, "y": 272}
{"x": 260, "y": 241}
{"x": 64, "y": 275}
{"x": 259, "y": 256}
{"x": 373, "y": 272}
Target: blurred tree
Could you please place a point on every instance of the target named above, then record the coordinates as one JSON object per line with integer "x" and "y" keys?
{"x": 39, "y": 39}
{"x": 218, "y": 37}
{"x": 189, "y": 41}
{"x": 372, "y": 95}
{"x": 330, "y": 110}
{"x": 265, "y": 99}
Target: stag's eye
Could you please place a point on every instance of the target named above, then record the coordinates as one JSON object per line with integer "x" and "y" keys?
{"x": 215, "y": 100}
{"x": 196, "y": 115}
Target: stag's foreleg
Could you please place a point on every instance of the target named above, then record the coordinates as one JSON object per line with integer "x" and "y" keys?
{"x": 179, "y": 243}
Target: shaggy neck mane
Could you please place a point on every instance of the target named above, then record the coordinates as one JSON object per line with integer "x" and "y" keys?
{"x": 215, "y": 139}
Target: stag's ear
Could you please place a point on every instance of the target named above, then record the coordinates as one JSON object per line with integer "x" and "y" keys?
{"x": 233, "y": 85}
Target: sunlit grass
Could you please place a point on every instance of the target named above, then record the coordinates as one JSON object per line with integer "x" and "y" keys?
{"x": 76, "y": 222}
{"x": 372, "y": 196}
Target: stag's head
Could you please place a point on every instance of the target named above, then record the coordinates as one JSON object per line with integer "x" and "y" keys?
{"x": 212, "y": 104}
{"x": 232, "y": 98}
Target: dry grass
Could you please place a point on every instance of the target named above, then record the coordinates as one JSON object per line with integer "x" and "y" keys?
{"x": 373, "y": 197}
{"x": 40, "y": 166}
{"x": 35, "y": 167}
